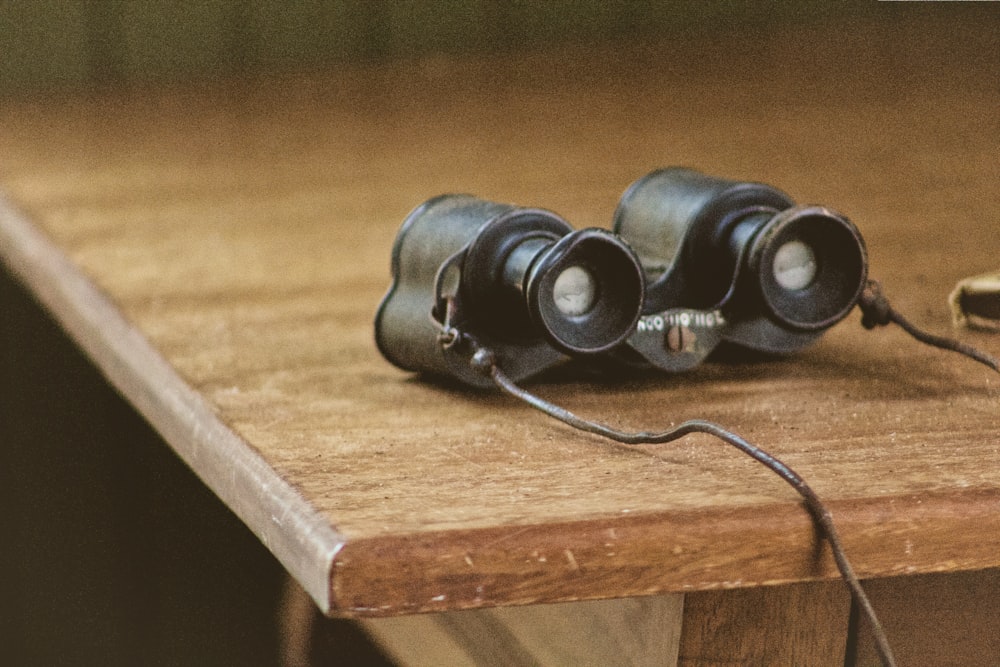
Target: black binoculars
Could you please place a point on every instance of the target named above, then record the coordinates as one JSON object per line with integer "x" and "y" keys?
{"x": 693, "y": 261}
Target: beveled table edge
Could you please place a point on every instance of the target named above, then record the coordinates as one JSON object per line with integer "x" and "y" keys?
{"x": 298, "y": 535}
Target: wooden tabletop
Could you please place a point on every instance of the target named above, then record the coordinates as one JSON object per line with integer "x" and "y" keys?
{"x": 219, "y": 250}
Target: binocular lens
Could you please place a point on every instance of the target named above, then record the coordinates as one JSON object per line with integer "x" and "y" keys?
{"x": 586, "y": 291}
{"x": 811, "y": 266}
{"x": 794, "y": 265}
{"x": 574, "y": 291}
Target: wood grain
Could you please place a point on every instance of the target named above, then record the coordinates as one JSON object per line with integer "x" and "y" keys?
{"x": 800, "y": 624}
{"x": 634, "y": 632}
{"x": 937, "y": 620}
{"x": 220, "y": 250}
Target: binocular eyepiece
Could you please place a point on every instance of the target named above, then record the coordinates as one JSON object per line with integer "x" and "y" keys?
{"x": 694, "y": 261}
{"x": 518, "y": 280}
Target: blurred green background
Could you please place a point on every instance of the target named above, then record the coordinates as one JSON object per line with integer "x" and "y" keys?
{"x": 60, "y": 44}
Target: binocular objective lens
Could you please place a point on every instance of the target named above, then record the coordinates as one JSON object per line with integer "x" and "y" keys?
{"x": 794, "y": 265}
{"x": 574, "y": 291}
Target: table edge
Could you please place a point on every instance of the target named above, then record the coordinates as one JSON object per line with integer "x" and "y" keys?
{"x": 299, "y": 536}
{"x": 662, "y": 553}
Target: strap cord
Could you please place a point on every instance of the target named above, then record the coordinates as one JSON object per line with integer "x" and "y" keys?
{"x": 484, "y": 361}
{"x": 876, "y": 311}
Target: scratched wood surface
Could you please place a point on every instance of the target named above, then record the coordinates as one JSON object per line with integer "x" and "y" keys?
{"x": 220, "y": 251}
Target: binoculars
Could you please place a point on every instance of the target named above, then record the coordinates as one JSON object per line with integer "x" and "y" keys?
{"x": 692, "y": 261}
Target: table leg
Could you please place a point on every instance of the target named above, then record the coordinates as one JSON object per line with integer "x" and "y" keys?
{"x": 937, "y": 620}
{"x": 633, "y": 631}
{"x": 799, "y": 624}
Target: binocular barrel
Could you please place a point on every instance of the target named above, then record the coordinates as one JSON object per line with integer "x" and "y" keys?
{"x": 742, "y": 247}
{"x": 739, "y": 258}
{"x": 519, "y": 280}
{"x": 676, "y": 216}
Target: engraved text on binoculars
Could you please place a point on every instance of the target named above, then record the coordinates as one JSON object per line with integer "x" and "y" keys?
{"x": 681, "y": 318}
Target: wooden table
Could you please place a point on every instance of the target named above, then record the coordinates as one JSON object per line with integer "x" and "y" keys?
{"x": 219, "y": 251}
